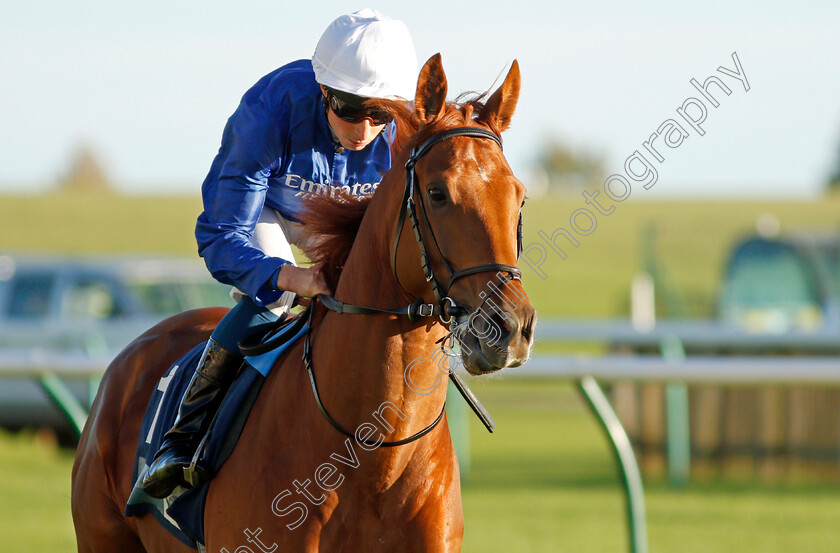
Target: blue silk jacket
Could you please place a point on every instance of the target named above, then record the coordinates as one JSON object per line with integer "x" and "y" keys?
{"x": 276, "y": 149}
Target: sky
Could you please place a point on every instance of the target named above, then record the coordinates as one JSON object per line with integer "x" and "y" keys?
{"x": 149, "y": 85}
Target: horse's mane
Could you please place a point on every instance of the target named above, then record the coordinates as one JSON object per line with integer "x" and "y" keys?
{"x": 333, "y": 221}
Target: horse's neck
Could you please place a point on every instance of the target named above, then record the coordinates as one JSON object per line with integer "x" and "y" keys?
{"x": 367, "y": 361}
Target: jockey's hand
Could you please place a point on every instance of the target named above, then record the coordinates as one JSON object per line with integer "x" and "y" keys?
{"x": 307, "y": 282}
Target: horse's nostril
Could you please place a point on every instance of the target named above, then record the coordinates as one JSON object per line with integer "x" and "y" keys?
{"x": 526, "y": 332}
{"x": 502, "y": 323}
{"x": 528, "y": 328}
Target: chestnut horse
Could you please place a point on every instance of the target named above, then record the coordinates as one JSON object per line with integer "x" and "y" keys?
{"x": 294, "y": 482}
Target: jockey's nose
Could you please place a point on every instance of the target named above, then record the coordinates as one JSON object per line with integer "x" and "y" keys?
{"x": 367, "y": 130}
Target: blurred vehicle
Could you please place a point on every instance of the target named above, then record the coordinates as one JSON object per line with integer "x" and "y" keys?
{"x": 91, "y": 307}
{"x": 776, "y": 284}
{"x": 96, "y": 306}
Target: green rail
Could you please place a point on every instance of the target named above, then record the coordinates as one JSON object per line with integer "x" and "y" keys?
{"x": 630, "y": 475}
{"x": 65, "y": 401}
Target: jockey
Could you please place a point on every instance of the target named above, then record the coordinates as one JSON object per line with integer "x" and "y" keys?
{"x": 299, "y": 130}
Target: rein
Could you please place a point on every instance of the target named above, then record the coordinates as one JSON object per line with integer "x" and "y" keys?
{"x": 307, "y": 361}
{"x": 445, "y": 308}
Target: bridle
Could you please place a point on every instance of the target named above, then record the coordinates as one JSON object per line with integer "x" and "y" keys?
{"x": 409, "y": 207}
{"x": 445, "y": 307}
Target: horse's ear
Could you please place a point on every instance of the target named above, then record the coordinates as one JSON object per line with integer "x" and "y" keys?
{"x": 431, "y": 91}
{"x": 501, "y": 105}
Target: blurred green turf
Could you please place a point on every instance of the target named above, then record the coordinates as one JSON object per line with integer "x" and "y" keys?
{"x": 593, "y": 281}
{"x": 34, "y": 495}
{"x": 545, "y": 481}
{"x": 693, "y": 238}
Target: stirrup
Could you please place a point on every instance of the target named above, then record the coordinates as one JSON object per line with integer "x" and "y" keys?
{"x": 194, "y": 474}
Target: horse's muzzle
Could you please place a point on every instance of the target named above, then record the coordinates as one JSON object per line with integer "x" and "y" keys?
{"x": 495, "y": 339}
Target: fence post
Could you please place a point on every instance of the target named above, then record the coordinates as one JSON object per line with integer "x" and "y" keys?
{"x": 678, "y": 440}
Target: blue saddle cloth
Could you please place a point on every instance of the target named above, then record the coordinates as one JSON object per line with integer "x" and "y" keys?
{"x": 182, "y": 514}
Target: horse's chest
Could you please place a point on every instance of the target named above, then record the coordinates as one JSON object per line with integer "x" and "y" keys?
{"x": 393, "y": 527}
{"x": 409, "y": 516}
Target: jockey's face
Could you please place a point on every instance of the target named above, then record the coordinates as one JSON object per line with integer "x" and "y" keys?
{"x": 353, "y": 136}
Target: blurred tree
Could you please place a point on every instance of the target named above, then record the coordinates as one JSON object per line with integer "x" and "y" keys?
{"x": 86, "y": 173}
{"x": 570, "y": 169}
{"x": 833, "y": 184}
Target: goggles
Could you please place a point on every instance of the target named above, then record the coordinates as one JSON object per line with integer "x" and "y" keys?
{"x": 347, "y": 107}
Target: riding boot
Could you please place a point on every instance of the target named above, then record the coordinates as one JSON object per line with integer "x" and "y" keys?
{"x": 172, "y": 463}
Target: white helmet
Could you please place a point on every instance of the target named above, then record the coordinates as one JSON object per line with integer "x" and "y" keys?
{"x": 366, "y": 53}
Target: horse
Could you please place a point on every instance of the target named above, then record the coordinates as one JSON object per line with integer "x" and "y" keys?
{"x": 298, "y": 479}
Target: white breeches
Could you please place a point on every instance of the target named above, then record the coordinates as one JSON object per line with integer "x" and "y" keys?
{"x": 274, "y": 236}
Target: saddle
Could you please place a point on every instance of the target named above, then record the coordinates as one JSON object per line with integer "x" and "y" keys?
{"x": 182, "y": 513}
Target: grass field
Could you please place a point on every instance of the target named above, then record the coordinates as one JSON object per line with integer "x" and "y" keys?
{"x": 544, "y": 482}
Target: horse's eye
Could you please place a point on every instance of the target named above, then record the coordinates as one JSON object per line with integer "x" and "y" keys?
{"x": 437, "y": 197}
